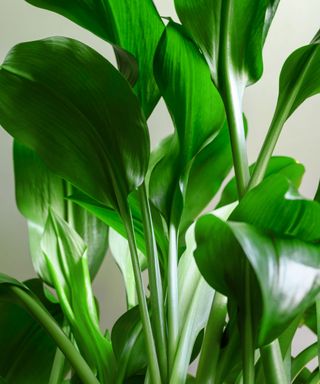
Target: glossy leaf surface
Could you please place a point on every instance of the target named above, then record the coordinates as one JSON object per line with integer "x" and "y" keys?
{"x": 129, "y": 345}
{"x": 194, "y": 307}
{"x": 97, "y": 129}
{"x": 277, "y": 207}
{"x": 299, "y": 79}
{"x": 37, "y": 189}
{"x": 26, "y": 350}
{"x": 133, "y": 25}
{"x": 65, "y": 254}
{"x": 286, "y": 166}
{"x": 286, "y": 271}
{"x": 179, "y": 62}
{"x": 240, "y": 25}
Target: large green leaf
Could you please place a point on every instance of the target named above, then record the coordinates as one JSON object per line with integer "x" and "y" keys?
{"x": 78, "y": 113}
{"x": 286, "y": 275}
{"x": 228, "y": 27}
{"x": 37, "y": 189}
{"x": 120, "y": 251}
{"x": 277, "y": 207}
{"x": 129, "y": 345}
{"x": 26, "y": 350}
{"x": 286, "y": 166}
{"x": 133, "y": 25}
{"x": 66, "y": 258}
{"x": 178, "y": 62}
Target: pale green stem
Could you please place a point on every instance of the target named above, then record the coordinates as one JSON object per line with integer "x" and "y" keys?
{"x": 57, "y": 370}
{"x": 78, "y": 363}
{"x": 145, "y": 319}
{"x": 173, "y": 316}
{"x": 318, "y": 332}
{"x": 273, "y": 366}
{"x": 155, "y": 282}
{"x": 210, "y": 350}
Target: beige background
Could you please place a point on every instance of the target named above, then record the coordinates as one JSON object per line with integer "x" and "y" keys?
{"x": 295, "y": 24}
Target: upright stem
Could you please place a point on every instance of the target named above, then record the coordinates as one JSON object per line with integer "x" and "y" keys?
{"x": 173, "y": 318}
{"x": 247, "y": 333}
{"x": 156, "y": 291}
{"x": 210, "y": 350}
{"x": 146, "y": 325}
{"x": 318, "y": 332}
{"x": 274, "y": 371}
{"x": 57, "y": 370}
{"x": 232, "y": 88}
{"x": 39, "y": 313}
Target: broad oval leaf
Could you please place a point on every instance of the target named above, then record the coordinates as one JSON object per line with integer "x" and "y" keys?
{"x": 277, "y": 207}
{"x": 38, "y": 189}
{"x": 133, "y": 25}
{"x": 286, "y": 271}
{"x": 178, "y": 62}
{"x": 97, "y": 137}
{"x": 286, "y": 166}
{"x": 239, "y": 25}
{"x": 129, "y": 345}
{"x": 26, "y": 350}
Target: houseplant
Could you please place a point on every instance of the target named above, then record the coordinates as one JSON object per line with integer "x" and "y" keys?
{"x": 85, "y": 178}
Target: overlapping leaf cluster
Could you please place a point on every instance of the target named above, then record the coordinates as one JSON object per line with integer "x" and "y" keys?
{"x": 86, "y": 178}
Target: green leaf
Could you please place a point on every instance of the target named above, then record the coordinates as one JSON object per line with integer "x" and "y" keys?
{"x": 133, "y": 25}
{"x": 286, "y": 275}
{"x": 277, "y": 207}
{"x": 286, "y": 166}
{"x": 208, "y": 170}
{"x": 299, "y": 79}
{"x": 129, "y": 345}
{"x": 26, "y": 350}
{"x": 37, "y": 189}
{"x": 239, "y": 25}
{"x": 194, "y": 308}
{"x": 120, "y": 251}
{"x": 97, "y": 138}
{"x": 112, "y": 218}
{"x": 66, "y": 258}
{"x": 179, "y": 62}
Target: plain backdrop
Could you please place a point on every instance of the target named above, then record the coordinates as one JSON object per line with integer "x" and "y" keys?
{"x": 295, "y": 24}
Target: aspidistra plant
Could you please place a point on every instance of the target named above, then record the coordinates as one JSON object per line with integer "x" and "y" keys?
{"x": 231, "y": 286}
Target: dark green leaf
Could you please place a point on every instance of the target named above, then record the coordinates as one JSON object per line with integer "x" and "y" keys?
{"x": 178, "y": 62}
{"x": 133, "y": 25}
{"x": 66, "y": 258}
{"x": 209, "y": 168}
{"x": 277, "y": 207}
{"x": 286, "y": 275}
{"x": 129, "y": 345}
{"x": 239, "y": 25}
{"x": 78, "y": 113}
{"x": 286, "y": 166}
{"x": 26, "y": 350}
{"x": 37, "y": 189}
{"x": 299, "y": 79}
